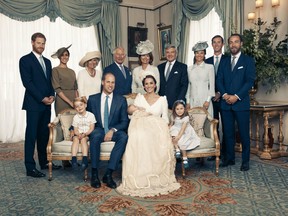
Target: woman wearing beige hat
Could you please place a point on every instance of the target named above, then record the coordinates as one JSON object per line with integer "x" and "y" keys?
{"x": 89, "y": 79}
{"x": 201, "y": 87}
{"x": 145, "y": 59}
{"x": 64, "y": 81}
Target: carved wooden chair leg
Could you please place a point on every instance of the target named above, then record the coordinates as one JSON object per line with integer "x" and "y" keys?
{"x": 183, "y": 169}
{"x": 86, "y": 175}
{"x": 217, "y": 166}
{"x": 50, "y": 170}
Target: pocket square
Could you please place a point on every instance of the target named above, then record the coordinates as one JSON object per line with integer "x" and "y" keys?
{"x": 240, "y": 67}
{"x": 176, "y": 72}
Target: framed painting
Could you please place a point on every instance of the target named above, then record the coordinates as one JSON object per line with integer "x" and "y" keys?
{"x": 164, "y": 39}
{"x": 135, "y": 35}
{"x": 133, "y": 64}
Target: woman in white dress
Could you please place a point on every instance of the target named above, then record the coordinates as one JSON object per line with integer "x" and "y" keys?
{"x": 201, "y": 77}
{"x": 148, "y": 161}
{"x": 145, "y": 59}
{"x": 89, "y": 79}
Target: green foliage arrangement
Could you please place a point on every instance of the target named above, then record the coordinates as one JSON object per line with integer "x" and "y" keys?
{"x": 271, "y": 61}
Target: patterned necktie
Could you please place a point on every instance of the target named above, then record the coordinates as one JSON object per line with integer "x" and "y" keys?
{"x": 106, "y": 115}
{"x": 233, "y": 63}
{"x": 216, "y": 64}
{"x": 123, "y": 71}
{"x": 168, "y": 71}
{"x": 42, "y": 63}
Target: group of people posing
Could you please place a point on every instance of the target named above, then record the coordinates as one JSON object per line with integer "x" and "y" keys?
{"x": 220, "y": 84}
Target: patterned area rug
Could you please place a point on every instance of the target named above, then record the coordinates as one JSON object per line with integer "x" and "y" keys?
{"x": 260, "y": 191}
{"x": 195, "y": 195}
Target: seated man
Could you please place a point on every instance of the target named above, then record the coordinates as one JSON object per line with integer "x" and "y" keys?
{"x": 110, "y": 111}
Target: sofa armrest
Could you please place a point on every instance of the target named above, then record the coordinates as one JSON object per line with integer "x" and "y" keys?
{"x": 55, "y": 133}
{"x": 210, "y": 130}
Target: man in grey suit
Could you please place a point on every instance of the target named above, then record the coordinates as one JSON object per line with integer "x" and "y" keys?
{"x": 35, "y": 71}
{"x": 110, "y": 111}
{"x": 173, "y": 77}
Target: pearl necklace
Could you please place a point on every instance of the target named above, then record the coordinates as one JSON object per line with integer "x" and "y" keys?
{"x": 91, "y": 74}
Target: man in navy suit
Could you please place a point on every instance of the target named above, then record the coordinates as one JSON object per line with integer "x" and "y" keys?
{"x": 236, "y": 75}
{"x": 217, "y": 44}
{"x": 107, "y": 129}
{"x": 35, "y": 71}
{"x": 123, "y": 76}
{"x": 173, "y": 77}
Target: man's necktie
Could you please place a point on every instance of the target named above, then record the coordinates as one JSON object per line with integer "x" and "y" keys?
{"x": 106, "y": 115}
{"x": 216, "y": 64}
{"x": 123, "y": 71}
{"x": 233, "y": 63}
{"x": 168, "y": 71}
{"x": 43, "y": 65}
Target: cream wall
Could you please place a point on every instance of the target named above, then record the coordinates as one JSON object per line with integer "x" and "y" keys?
{"x": 152, "y": 12}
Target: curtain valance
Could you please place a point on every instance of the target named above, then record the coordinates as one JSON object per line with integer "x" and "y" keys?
{"x": 230, "y": 12}
{"x": 75, "y": 12}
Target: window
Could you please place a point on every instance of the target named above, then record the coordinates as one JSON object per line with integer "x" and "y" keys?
{"x": 204, "y": 30}
{"x": 15, "y": 41}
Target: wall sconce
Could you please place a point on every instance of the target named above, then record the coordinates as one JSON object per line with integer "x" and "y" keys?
{"x": 275, "y": 3}
{"x": 140, "y": 24}
{"x": 159, "y": 25}
{"x": 251, "y": 16}
{"x": 259, "y": 3}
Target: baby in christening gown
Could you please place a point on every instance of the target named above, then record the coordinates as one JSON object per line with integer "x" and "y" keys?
{"x": 148, "y": 161}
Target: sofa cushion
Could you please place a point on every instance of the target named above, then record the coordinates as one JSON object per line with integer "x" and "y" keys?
{"x": 64, "y": 148}
{"x": 66, "y": 122}
{"x": 206, "y": 145}
{"x": 197, "y": 120}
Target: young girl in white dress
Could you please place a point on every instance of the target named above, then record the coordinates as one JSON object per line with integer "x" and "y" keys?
{"x": 183, "y": 135}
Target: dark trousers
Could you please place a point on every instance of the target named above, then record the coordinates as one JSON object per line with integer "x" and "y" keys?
{"x": 97, "y": 137}
{"x": 37, "y": 131}
{"x": 242, "y": 118}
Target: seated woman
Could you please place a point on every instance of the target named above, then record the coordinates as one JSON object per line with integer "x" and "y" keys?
{"x": 148, "y": 161}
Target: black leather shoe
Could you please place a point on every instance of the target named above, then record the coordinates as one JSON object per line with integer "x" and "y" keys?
{"x": 95, "y": 182}
{"x": 227, "y": 163}
{"x": 35, "y": 173}
{"x": 54, "y": 167}
{"x": 109, "y": 181}
{"x": 244, "y": 166}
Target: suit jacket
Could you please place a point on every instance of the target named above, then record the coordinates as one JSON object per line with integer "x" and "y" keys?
{"x": 210, "y": 60}
{"x": 239, "y": 81}
{"x": 37, "y": 86}
{"x": 175, "y": 87}
{"x": 122, "y": 85}
{"x": 118, "y": 117}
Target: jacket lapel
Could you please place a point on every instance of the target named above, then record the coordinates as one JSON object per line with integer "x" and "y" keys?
{"x": 98, "y": 109}
{"x": 113, "y": 107}
{"x": 174, "y": 67}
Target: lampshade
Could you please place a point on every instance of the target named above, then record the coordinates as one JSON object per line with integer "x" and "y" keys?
{"x": 259, "y": 3}
{"x": 275, "y": 3}
{"x": 251, "y": 16}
